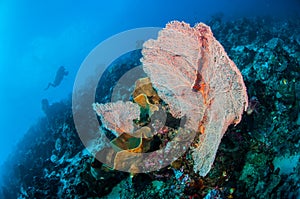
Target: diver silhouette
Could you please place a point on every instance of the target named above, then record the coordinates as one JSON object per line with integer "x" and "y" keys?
{"x": 61, "y": 72}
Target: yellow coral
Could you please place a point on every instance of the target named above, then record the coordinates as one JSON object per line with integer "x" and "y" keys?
{"x": 143, "y": 101}
{"x": 144, "y": 86}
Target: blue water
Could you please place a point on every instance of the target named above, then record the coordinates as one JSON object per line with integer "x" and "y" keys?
{"x": 36, "y": 37}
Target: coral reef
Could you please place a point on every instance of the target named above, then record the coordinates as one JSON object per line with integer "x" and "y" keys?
{"x": 258, "y": 158}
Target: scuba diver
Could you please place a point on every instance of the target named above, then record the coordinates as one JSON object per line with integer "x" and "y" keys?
{"x": 61, "y": 72}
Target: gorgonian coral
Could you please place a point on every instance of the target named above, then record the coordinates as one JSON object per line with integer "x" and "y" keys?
{"x": 192, "y": 74}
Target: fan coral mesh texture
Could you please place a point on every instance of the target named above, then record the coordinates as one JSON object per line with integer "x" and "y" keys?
{"x": 193, "y": 74}
{"x": 118, "y": 116}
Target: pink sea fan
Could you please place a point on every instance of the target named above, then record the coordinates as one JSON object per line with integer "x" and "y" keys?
{"x": 191, "y": 72}
{"x": 118, "y": 116}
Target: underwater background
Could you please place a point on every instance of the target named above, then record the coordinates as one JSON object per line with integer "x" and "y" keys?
{"x": 258, "y": 158}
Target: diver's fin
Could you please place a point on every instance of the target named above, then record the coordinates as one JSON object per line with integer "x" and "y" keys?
{"x": 49, "y": 84}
